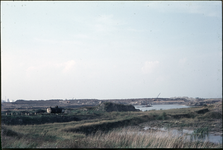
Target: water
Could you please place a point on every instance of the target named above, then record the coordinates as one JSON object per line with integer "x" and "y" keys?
{"x": 158, "y": 107}
{"x": 189, "y": 134}
{"x": 207, "y": 136}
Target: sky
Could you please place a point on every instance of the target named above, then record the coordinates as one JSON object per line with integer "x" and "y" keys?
{"x": 111, "y": 50}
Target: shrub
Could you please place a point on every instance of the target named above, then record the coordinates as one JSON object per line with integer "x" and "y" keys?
{"x": 212, "y": 115}
{"x": 8, "y": 132}
{"x": 164, "y": 116}
{"x": 40, "y": 111}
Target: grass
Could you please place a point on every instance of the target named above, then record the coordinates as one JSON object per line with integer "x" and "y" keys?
{"x": 117, "y": 138}
{"x": 97, "y": 128}
{"x": 131, "y": 138}
{"x": 106, "y": 125}
{"x": 162, "y": 116}
{"x": 93, "y": 113}
{"x": 79, "y": 114}
{"x": 201, "y": 131}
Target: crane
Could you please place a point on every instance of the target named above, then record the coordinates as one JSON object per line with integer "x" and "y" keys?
{"x": 158, "y": 95}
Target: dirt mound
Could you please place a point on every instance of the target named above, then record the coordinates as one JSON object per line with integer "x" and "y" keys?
{"x": 108, "y": 106}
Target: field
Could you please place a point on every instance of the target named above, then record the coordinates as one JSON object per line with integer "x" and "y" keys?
{"x": 95, "y": 128}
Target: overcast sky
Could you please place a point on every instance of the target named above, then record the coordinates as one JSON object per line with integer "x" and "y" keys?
{"x": 107, "y": 50}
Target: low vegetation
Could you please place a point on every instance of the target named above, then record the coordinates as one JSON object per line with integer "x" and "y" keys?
{"x": 118, "y": 138}
{"x": 100, "y": 129}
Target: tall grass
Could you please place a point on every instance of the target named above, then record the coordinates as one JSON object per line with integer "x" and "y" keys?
{"x": 127, "y": 137}
{"x": 132, "y": 138}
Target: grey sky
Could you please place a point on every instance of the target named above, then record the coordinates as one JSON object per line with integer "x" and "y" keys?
{"x": 109, "y": 50}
